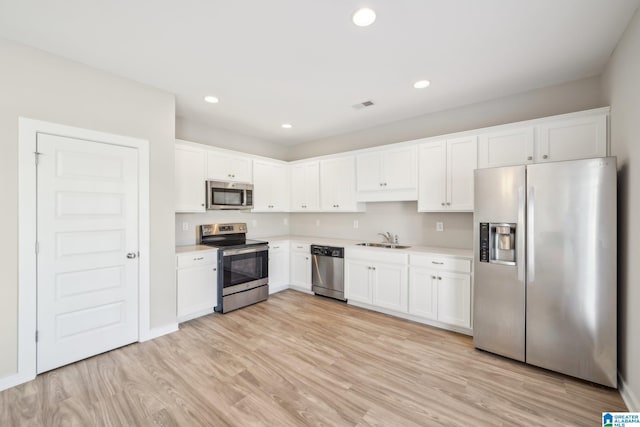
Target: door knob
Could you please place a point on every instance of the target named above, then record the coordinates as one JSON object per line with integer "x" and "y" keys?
{"x": 530, "y": 158}
{"x": 132, "y": 255}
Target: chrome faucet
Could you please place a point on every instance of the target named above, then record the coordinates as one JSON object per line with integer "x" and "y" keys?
{"x": 388, "y": 237}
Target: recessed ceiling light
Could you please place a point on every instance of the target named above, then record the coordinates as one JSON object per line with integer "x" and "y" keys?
{"x": 421, "y": 84}
{"x": 211, "y": 99}
{"x": 364, "y": 17}
{"x": 287, "y": 125}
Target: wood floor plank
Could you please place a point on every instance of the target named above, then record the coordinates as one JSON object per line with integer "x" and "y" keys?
{"x": 298, "y": 359}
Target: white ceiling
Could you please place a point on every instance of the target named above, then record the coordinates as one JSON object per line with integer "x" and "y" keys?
{"x": 304, "y": 62}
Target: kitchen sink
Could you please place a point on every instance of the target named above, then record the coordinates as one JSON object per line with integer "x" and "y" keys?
{"x": 383, "y": 245}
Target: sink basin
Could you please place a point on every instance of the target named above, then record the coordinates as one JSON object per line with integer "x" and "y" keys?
{"x": 383, "y": 245}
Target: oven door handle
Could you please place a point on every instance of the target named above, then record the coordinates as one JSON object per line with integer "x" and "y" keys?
{"x": 230, "y": 252}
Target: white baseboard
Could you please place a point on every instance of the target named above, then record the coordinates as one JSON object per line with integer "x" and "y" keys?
{"x": 418, "y": 319}
{"x": 276, "y": 289}
{"x": 195, "y": 315}
{"x": 159, "y": 331}
{"x": 13, "y": 380}
{"x": 629, "y": 397}
{"x": 303, "y": 290}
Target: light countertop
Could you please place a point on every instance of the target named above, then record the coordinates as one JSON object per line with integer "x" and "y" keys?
{"x": 345, "y": 243}
{"x": 193, "y": 248}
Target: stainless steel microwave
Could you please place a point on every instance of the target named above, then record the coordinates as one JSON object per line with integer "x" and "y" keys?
{"x": 229, "y": 195}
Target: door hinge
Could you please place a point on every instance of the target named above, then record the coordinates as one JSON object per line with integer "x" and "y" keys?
{"x": 37, "y": 247}
{"x": 37, "y": 336}
{"x": 37, "y": 156}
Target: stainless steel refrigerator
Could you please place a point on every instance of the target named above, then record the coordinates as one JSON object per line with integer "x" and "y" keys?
{"x": 545, "y": 266}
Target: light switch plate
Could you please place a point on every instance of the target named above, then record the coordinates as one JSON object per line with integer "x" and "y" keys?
{"x": 317, "y": 223}
{"x": 439, "y": 226}
{"x": 185, "y": 226}
{"x": 355, "y": 223}
{"x": 254, "y": 222}
{"x": 285, "y": 221}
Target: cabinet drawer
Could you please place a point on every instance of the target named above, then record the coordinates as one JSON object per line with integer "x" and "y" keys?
{"x": 279, "y": 246}
{"x": 300, "y": 247}
{"x": 195, "y": 259}
{"x": 376, "y": 255}
{"x": 441, "y": 263}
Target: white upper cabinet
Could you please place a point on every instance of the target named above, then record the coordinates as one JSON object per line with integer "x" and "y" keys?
{"x": 446, "y": 174}
{"x": 190, "y": 176}
{"x": 570, "y": 139}
{"x": 305, "y": 187}
{"x": 506, "y": 148}
{"x": 572, "y": 136}
{"x": 387, "y": 175}
{"x": 270, "y": 187}
{"x": 338, "y": 185}
{"x": 228, "y": 167}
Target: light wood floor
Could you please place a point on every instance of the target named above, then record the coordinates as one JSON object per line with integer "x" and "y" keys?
{"x": 303, "y": 360}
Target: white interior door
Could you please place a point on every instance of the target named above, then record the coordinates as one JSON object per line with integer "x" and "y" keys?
{"x": 87, "y": 249}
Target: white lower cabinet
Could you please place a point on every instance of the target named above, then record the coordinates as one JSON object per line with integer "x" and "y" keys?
{"x": 197, "y": 284}
{"x": 423, "y": 289}
{"x": 278, "y": 266}
{"x": 440, "y": 289}
{"x": 301, "y": 266}
{"x": 377, "y": 278}
{"x": 454, "y": 298}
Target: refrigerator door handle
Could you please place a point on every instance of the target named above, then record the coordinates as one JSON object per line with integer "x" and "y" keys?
{"x": 531, "y": 267}
{"x": 520, "y": 235}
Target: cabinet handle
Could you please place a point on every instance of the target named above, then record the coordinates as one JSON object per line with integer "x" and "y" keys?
{"x": 442, "y": 203}
{"x": 438, "y": 263}
{"x": 276, "y": 247}
{"x": 368, "y": 268}
{"x": 380, "y": 184}
{"x": 545, "y": 157}
{"x": 448, "y": 203}
{"x": 373, "y": 268}
{"x": 433, "y": 277}
{"x": 385, "y": 184}
{"x": 439, "y": 278}
{"x": 198, "y": 259}
{"x": 307, "y": 258}
{"x": 201, "y": 204}
{"x": 530, "y": 158}
{"x": 215, "y": 269}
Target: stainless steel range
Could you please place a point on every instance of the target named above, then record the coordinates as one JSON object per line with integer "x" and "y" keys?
{"x": 243, "y": 265}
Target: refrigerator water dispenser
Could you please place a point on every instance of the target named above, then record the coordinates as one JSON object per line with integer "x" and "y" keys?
{"x": 498, "y": 243}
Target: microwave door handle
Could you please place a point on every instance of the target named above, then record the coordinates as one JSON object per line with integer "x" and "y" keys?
{"x": 244, "y": 197}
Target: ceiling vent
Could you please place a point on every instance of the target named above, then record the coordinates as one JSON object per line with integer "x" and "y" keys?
{"x": 362, "y": 105}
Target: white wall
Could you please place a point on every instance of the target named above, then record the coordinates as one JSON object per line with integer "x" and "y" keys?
{"x": 622, "y": 90}
{"x": 399, "y": 218}
{"x": 259, "y": 224}
{"x": 565, "y": 98}
{"x": 41, "y": 86}
{"x": 189, "y": 130}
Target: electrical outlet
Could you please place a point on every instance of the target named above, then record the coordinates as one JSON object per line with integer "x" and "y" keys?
{"x": 254, "y": 222}
{"x": 285, "y": 221}
{"x": 355, "y": 223}
{"x": 185, "y": 226}
{"x": 439, "y": 226}
{"x": 317, "y": 223}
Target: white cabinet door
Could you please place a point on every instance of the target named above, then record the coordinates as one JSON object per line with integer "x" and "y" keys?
{"x": 399, "y": 169}
{"x": 369, "y": 172}
{"x": 197, "y": 289}
{"x": 190, "y": 177}
{"x": 389, "y": 284}
{"x": 423, "y": 292}
{"x": 278, "y": 266}
{"x": 301, "y": 270}
{"x": 271, "y": 189}
{"x": 338, "y": 184}
{"x": 506, "y": 148}
{"x": 571, "y": 139}
{"x": 358, "y": 281}
{"x": 432, "y": 186}
{"x": 461, "y": 162}
{"x": 226, "y": 167}
{"x": 305, "y": 187}
{"x": 454, "y": 299}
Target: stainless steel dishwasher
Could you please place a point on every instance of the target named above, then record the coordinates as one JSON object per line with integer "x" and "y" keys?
{"x": 327, "y": 271}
